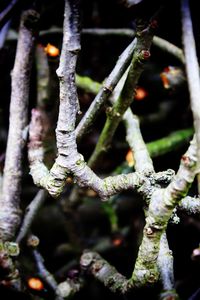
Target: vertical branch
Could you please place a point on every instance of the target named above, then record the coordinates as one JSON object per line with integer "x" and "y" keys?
{"x": 9, "y": 201}
{"x": 192, "y": 70}
{"x": 42, "y": 77}
{"x": 143, "y": 162}
{"x": 165, "y": 264}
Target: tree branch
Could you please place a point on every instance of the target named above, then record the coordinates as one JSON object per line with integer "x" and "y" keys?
{"x": 69, "y": 160}
{"x": 143, "y": 162}
{"x": 105, "y": 91}
{"x": 10, "y": 197}
{"x": 192, "y": 70}
{"x": 162, "y": 203}
{"x": 115, "y": 115}
{"x": 30, "y": 214}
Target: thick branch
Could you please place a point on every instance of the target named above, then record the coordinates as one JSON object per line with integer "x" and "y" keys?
{"x": 85, "y": 176}
{"x": 162, "y": 203}
{"x": 9, "y": 200}
{"x": 69, "y": 160}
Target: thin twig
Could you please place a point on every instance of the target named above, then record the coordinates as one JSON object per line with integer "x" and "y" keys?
{"x": 45, "y": 274}
{"x": 143, "y": 163}
{"x": 105, "y": 91}
{"x": 3, "y": 34}
{"x": 6, "y": 13}
{"x": 42, "y": 77}
{"x": 30, "y": 214}
{"x": 159, "y": 42}
{"x": 169, "y": 48}
{"x": 115, "y": 115}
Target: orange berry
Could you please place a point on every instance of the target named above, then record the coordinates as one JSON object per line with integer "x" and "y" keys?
{"x": 51, "y": 50}
{"x": 35, "y": 284}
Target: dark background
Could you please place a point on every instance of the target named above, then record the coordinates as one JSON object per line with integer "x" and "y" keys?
{"x": 97, "y": 58}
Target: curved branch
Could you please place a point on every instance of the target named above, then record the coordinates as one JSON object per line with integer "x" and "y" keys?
{"x": 69, "y": 160}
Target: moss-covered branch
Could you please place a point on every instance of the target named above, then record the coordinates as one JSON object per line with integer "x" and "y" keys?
{"x": 169, "y": 143}
{"x": 191, "y": 205}
{"x": 104, "y": 272}
{"x": 115, "y": 114}
{"x": 162, "y": 203}
{"x": 160, "y": 209}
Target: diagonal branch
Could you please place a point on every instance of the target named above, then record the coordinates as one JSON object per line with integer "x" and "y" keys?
{"x": 115, "y": 115}
{"x": 105, "y": 91}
